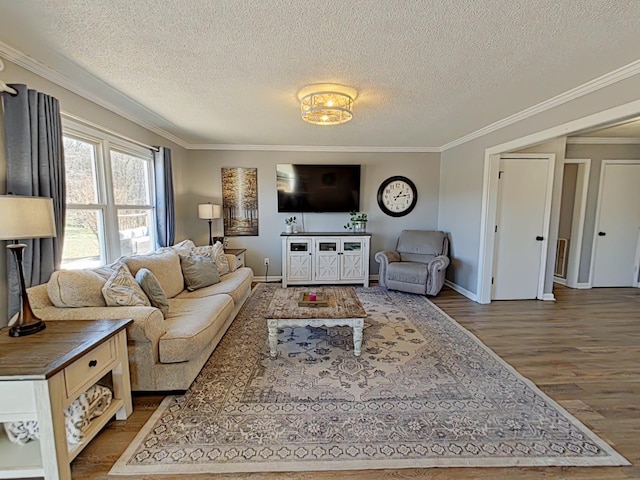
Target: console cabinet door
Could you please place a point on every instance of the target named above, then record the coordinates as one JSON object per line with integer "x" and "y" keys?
{"x": 352, "y": 260}
{"x": 299, "y": 266}
{"x": 327, "y": 259}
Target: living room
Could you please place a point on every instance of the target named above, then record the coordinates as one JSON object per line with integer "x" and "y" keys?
{"x": 447, "y": 157}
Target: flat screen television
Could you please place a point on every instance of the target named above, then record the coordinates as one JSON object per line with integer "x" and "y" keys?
{"x": 318, "y": 188}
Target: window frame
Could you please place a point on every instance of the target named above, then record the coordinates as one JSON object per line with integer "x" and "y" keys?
{"x": 104, "y": 144}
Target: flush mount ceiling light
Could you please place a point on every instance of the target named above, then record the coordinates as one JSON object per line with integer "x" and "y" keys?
{"x": 326, "y": 103}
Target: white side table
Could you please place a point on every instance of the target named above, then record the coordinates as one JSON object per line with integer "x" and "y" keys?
{"x": 42, "y": 374}
{"x": 238, "y": 253}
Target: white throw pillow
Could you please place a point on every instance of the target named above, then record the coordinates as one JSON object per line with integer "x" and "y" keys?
{"x": 122, "y": 289}
{"x": 216, "y": 252}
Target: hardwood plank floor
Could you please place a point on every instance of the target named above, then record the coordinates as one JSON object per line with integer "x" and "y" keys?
{"x": 583, "y": 350}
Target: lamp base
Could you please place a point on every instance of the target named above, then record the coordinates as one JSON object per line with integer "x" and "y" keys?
{"x": 27, "y": 329}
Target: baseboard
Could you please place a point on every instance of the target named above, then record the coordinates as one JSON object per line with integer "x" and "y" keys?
{"x": 269, "y": 279}
{"x": 582, "y": 286}
{"x": 374, "y": 278}
{"x": 461, "y": 290}
{"x": 548, "y": 297}
{"x": 560, "y": 280}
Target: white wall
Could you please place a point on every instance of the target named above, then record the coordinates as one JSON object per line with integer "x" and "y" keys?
{"x": 201, "y": 177}
{"x": 596, "y": 153}
{"x": 83, "y": 108}
{"x": 462, "y": 172}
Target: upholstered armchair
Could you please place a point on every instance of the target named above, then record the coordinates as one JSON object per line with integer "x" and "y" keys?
{"x": 417, "y": 265}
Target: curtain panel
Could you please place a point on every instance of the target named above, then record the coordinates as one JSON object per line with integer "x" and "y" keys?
{"x": 35, "y": 167}
{"x": 165, "y": 208}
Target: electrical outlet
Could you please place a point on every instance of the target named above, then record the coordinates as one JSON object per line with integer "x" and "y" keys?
{"x": 266, "y": 260}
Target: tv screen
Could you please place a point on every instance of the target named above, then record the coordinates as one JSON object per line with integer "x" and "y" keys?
{"x": 318, "y": 188}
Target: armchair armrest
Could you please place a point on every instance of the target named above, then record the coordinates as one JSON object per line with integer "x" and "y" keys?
{"x": 384, "y": 259}
{"x": 436, "y": 277}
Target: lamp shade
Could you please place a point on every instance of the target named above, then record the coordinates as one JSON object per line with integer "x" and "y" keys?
{"x": 26, "y": 217}
{"x": 209, "y": 211}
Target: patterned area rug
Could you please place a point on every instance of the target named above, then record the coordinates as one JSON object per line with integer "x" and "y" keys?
{"x": 424, "y": 393}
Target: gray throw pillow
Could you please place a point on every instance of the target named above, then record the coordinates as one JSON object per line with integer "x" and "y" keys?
{"x": 199, "y": 271}
{"x": 150, "y": 285}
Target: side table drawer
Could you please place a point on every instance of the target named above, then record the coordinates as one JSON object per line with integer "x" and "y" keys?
{"x": 84, "y": 370}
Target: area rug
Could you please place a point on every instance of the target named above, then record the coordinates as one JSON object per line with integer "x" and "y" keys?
{"x": 424, "y": 393}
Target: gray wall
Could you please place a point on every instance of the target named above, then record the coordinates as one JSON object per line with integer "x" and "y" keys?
{"x": 596, "y": 153}
{"x": 462, "y": 172}
{"x": 83, "y": 108}
{"x": 567, "y": 202}
{"x": 201, "y": 177}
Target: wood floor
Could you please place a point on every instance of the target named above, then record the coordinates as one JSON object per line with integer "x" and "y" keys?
{"x": 582, "y": 350}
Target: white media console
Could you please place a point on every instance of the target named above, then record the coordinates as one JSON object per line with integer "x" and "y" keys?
{"x": 325, "y": 258}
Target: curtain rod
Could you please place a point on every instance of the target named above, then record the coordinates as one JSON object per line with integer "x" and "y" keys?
{"x": 88, "y": 123}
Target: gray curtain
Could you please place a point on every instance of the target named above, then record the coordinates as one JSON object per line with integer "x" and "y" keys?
{"x": 165, "y": 209}
{"x": 35, "y": 167}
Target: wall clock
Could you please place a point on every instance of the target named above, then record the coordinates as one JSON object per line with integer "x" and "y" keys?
{"x": 397, "y": 196}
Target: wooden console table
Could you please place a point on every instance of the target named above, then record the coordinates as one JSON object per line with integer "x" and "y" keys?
{"x": 42, "y": 374}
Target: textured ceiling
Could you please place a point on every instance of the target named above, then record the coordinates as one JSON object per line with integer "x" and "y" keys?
{"x": 228, "y": 72}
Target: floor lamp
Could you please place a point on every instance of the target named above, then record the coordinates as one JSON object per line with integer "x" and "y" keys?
{"x": 23, "y": 218}
{"x": 209, "y": 211}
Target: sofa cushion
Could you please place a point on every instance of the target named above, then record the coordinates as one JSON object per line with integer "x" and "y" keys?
{"x": 407, "y": 272}
{"x": 199, "y": 271}
{"x": 121, "y": 289}
{"x": 153, "y": 290}
{"x": 78, "y": 288}
{"x": 191, "y": 325}
{"x": 236, "y": 284}
{"x": 165, "y": 266}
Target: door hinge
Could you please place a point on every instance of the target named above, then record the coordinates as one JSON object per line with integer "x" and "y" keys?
{"x": 491, "y": 280}
{"x": 500, "y": 173}
{"x": 496, "y": 230}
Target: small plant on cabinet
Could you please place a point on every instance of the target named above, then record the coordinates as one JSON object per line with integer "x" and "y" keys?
{"x": 357, "y": 222}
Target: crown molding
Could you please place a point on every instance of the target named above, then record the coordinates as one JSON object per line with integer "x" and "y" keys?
{"x": 24, "y": 61}
{"x": 312, "y": 148}
{"x": 591, "y": 86}
{"x": 603, "y": 140}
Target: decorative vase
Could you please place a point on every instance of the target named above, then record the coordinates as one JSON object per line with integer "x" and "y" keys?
{"x": 288, "y": 228}
{"x": 359, "y": 227}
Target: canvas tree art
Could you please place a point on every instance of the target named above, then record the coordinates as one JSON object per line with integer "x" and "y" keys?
{"x": 240, "y": 201}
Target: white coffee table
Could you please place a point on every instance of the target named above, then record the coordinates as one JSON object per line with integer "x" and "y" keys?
{"x": 344, "y": 309}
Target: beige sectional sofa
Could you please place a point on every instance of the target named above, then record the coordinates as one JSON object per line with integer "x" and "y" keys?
{"x": 164, "y": 353}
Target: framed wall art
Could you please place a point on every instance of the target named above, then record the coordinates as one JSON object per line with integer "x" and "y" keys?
{"x": 240, "y": 201}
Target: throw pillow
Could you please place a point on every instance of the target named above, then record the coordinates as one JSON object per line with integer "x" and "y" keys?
{"x": 78, "y": 288}
{"x": 199, "y": 271}
{"x": 222, "y": 262}
{"x": 122, "y": 290}
{"x": 152, "y": 288}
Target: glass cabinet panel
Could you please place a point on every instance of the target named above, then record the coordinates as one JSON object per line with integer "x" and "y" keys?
{"x": 328, "y": 246}
{"x": 352, "y": 246}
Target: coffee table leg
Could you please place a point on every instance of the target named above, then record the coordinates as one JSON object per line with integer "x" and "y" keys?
{"x": 357, "y": 336}
{"x": 272, "y": 325}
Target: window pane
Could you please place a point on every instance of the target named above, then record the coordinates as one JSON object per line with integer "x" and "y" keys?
{"x": 80, "y": 169}
{"x": 134, "y": 230}
{"x": 130, "y": 179}
{"x": 82, "y": 239}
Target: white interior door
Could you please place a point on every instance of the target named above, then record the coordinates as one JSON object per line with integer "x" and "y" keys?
{"x": 617, "y": 227}
{"x": 522, "y": 225}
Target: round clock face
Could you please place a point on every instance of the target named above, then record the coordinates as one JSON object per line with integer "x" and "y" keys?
{"x": 397, "y": 196}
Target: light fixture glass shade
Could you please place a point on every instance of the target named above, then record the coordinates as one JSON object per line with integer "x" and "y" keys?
{"x": 26, "y": 217}
{"x": 209, "y": 211}
{"x": 326, "y": 104}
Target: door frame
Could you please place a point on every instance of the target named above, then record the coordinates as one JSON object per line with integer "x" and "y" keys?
{"x": 577, "y": 222}
{"x": 596, "y": 225}
{"x": 551, "y": 162}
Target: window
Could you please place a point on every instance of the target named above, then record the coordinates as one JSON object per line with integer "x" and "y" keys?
{"x": 109, "y": 198}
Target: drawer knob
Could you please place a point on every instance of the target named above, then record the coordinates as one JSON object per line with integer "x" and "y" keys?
{"x": 93, "y": 363}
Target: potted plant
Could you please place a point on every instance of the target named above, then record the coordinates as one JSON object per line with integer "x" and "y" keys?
{"x": 357, "y": 222}
{"x": 289, "y": 223}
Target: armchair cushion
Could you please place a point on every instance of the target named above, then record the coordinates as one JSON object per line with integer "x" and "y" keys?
{"x": 420, "y": 246}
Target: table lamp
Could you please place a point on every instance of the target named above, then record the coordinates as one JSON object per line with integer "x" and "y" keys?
{"x": 209, "y": 211}
{"x": 23, "y": 218}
